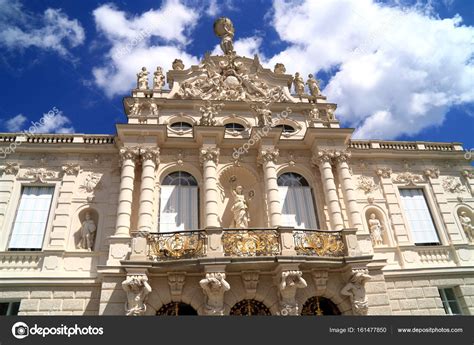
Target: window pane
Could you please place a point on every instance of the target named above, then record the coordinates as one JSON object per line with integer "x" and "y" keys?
{"x": 418, "y": 216}
{"x": 178, "y": 208}
{"x": 297, "y": 207}
{"x": 31, "y": 218}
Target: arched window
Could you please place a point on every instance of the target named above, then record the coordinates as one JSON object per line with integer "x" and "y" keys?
{"x": 319, "y": 306}
{"x": 176, "y": 309}
{"x": 234, "y": 127}
{"x": 178, "y": 203}
{"x": 286, "y": 128}
{"x": 296, "y": 199}
{"x": 249, "y": 307}
{"x": 181, "y": 126}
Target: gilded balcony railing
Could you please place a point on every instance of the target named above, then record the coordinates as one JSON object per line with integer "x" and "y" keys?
{"x": 176, "y": 245}
{"x": 319, "y": 243}
{"x": 251, "y": 242}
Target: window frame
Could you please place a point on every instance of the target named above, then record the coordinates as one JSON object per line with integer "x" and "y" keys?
{"x": 181, "y": 122}
{"x": 199, "y": 202}
{"x": 447, "y": 302}
{"x": 11, "y": 214}
{"x": 10, "y": 307}
{"x": 313, "y": 198}
{"x": 435, "y": 220}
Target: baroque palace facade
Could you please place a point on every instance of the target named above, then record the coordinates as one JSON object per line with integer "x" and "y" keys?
{"x": 233, "y": 192}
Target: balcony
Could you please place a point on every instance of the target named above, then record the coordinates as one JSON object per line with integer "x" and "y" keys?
{"x": 236, "y": 244}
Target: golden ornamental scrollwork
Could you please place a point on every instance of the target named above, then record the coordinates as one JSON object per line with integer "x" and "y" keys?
{"x": 179, "y": 245}
{"x": 319, "y": 243}
{"x": 251, "y": 242}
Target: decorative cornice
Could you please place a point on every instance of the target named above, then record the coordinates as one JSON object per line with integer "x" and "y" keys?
{"x": 10, "y": 168}
{"x": 384, "y": 172}
{"x": 71, "y": 169}
{"x": 150, "y": 153}
{"x": 209, "y": 154}
{"x": 268, "y": 155}
{"x": 431, "y": 173}
{"x": 408, "y": 178}
{"x": 39, "y": 175}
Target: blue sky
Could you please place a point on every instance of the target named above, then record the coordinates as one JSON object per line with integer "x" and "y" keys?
{"x": 400, "y": 70}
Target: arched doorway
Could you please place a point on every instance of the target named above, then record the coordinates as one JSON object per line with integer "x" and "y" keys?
{"x": 249, "y": 307}
{"x": 319, "y": 306}
{"x": 176, "y": 309}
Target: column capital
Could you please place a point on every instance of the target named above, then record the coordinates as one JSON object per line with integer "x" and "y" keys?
{"x": 322, "y": 156}
{"x": 128, "y": 152}
{"x": 268, "y": 155}
{"x": 342, "y": 156}
{"x": 150, "y": 153}
{"x": 209, "y": 154}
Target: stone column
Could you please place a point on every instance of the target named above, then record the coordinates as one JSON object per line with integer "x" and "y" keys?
{"x": 267, "y": 158}
{"x": 128, "y": 157}
{"x": 345, "y": 176}
{"x": 323, "y": 160}
{"x": 150, "y": 160}
{"x": 209, "y": 157}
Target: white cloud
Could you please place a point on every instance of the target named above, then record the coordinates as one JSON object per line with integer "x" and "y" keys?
{"x": 133, "y": 42}
{"x": 51, "y": 31}
{"x": 52, "y": 122}
{"x": 247, "y": 46}
{"x": 15, "y": 123}
{"x": 399, "y": 71}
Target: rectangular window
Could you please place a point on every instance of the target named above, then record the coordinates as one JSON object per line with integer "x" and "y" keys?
{"x": 9, "y": 308}
{"x": 178, "y": 208}
{"x": 419, "y": 216}
{"x": 450, "y": 302}
{"x": 297, "y": 207}
{"x": 31, "y": 218}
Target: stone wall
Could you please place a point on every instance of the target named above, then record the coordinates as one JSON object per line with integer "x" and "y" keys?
{"x": 420, "y": 296}
{"x": 54, "y": 300}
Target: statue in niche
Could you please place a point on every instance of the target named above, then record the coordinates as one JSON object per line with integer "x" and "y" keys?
{"x": 178, "y": 65}
{"x": 224, "y": 29}
{"x": 279, "y": 68}
{"x": 467, "y": 226}
{"x": 153, "y": 108}
{"x": 214, "y": 286}
{"x": 313, "y": 85}
{"x": 355, "y": 289}
{"x": 290, "y": 282}
{"x": 240, "y": 208}
{"x": 142, "y": 79}
{"x": 375, "y": 230}
{"x": 313, "y": 114}
{"x": 298, "y": 84}
{"x": 88, "y": 231}
{"x": 137, "y": 289}
{"x": 158, "y": 79}
{"x": 135, "y": 108}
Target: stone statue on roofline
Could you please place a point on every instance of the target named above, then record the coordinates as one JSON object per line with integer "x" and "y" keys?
{"x": 298, "y": 84}
{"x": 224, "y": 29}
{"x": 313, "y": 85}
{"x": 142, "y": 79}
{"x": 177, "y": 65}
{"x": 158, "y": 79}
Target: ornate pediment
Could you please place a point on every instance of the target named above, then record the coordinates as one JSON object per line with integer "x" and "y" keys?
{"x": 230, "y": 78}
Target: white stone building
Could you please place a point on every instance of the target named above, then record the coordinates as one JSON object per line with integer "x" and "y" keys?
{"x": 231, "y": 194}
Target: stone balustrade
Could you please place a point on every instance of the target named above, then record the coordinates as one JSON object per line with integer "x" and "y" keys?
{"x": 57, "y": 138}
{"x": 403, "y": 146}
